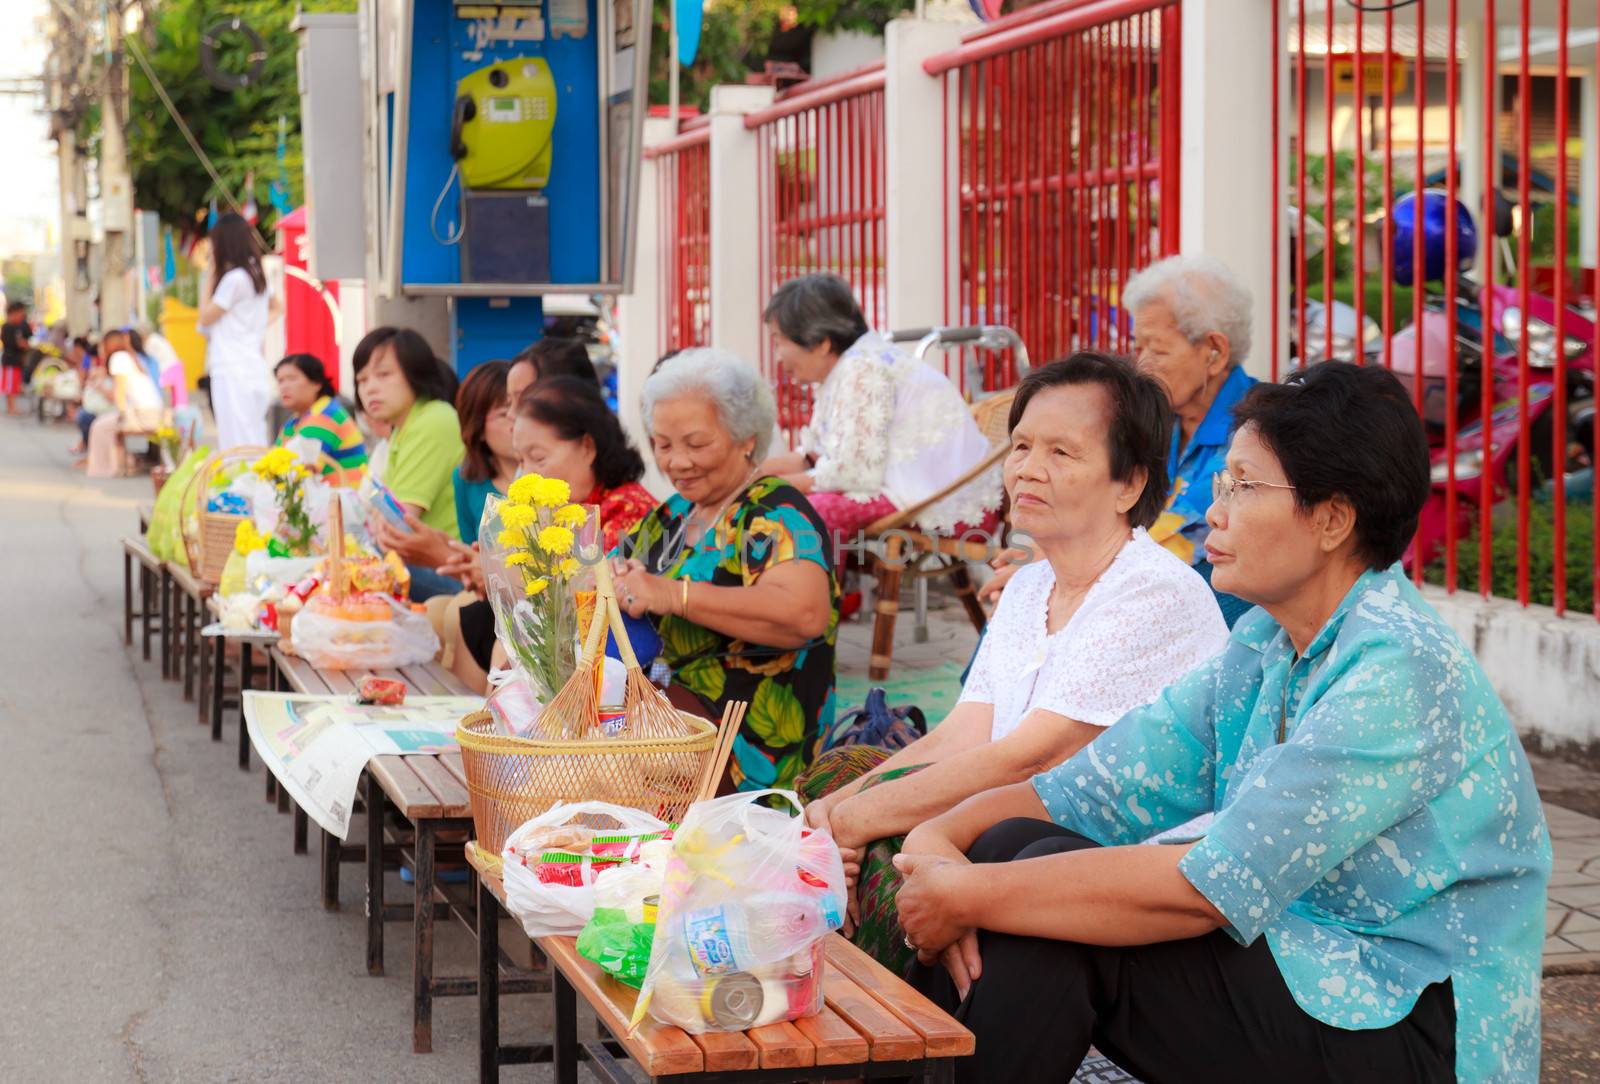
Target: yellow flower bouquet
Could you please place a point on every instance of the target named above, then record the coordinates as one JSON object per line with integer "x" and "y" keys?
{"x": 538, "y": 550}
{"x": 295, "y": 534}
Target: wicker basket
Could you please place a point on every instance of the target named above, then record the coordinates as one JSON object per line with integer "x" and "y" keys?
{"x": 512, "y": 780}
{"x": 208, "y": 536}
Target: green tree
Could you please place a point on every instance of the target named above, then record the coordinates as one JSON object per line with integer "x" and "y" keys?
{"x": 237, "y": 128}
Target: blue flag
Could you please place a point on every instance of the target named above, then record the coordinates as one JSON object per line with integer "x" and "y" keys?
{"x": 690, "y": 13}
{"x": 169, "y": 262}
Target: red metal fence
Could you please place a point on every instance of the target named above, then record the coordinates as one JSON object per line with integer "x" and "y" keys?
{"x": 1510, "y": 410}
{"x": 1067, "y": 135}
{"x": 683, "y": 217}
{"x": 820, "y": 150}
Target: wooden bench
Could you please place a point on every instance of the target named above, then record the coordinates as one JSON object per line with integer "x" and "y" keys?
{"x": 411, "y": 802}
{"x": 873, "y": 1024}
{"x": 188, "y": 611}
{"x": 152, "y": 613}
{"x": 214, "y": 686}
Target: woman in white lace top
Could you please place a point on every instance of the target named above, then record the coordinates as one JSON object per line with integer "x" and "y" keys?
{"x": 1100, "y": 626}
{"x": 887, "y": 431}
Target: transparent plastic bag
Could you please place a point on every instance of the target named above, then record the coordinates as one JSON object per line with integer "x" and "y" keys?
{"x": 555, "y": 909}
{"x": 749, "y": 896}
{"x": 352, "y": 634}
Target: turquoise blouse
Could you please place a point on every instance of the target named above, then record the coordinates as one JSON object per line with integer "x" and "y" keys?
{"x": 1394, "y": 840}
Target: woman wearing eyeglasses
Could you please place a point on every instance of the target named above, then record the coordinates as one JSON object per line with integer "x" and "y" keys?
{"x": 1367, "y": 903}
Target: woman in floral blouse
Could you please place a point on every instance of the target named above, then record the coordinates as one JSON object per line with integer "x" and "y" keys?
{"x": 735, "y": 568}
{"x": 887, "y": 431}
{"x": 1368, "y": 903}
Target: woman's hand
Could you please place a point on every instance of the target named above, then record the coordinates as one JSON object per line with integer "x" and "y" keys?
{"x": 1005, "y": 566}
{"x": 931, "y": 902}
{"x": 422, "y": 545}
{"x": 464, "y": 565}
{"x": 963, "y": 962}
{"x": 640, "y": 593}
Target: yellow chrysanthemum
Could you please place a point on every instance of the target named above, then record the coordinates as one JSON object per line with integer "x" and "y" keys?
{"x": 246, "y": 539}
{"x": 274, "y": 464}
{"x": 521, "y": 557}
{"x": 536, "y": 587}
{"x": 568, "y": 568}
{"x": 573, "y": 515}
{"x": 556, "y": 540}
{"x": 551, "y": 492}
{"x": 511, "y": 539}
{"x": 523, "y": 490}
{"x": 518, "y": 515}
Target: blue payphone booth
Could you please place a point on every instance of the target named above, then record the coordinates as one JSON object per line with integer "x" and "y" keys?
{"x": 508, "y": 136}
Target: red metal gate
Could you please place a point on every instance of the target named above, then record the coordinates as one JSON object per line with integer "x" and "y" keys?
{"x": 1067, "y": 133}
{"x": 820, "y": 149}
{"x": 1510, "y": 410}
{"x": 683, "y": 217}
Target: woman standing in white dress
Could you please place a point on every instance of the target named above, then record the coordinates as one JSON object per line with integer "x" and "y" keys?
{"x": 235, "y": 308}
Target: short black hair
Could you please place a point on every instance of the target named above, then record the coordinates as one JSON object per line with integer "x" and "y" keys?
{"x": 312, "y": 369}
{"x": 1348, "y": 430}
{"x": 15, "y": 306}
{"x": 817, "y": 308}
{"x": 1140, "y": 431}
{"x": 554, "y": 356}
{"x": 573, "y": 408}
{"x": 428, "y": 377}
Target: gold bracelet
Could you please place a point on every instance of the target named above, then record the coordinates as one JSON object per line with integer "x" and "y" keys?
{"x": 684, "y": 607}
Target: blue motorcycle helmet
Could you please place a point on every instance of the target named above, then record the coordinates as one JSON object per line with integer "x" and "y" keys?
{"x": 1435, "y": 228}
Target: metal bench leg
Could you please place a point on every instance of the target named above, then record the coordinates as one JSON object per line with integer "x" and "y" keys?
{"x": 302, "y": 828}
{"x": 920, "y": 633}
{"x": 422, "y": 967}
{"x": 488, "y": 985}
{"x": 186, "y": 645}
{"x": 219, "y": 678}
{"x": 168, "y": 605}
{"x": 375, "y": 814}
{"x": 247, "y": 679}
{"x": 147, "y": 612}
{"x": 203, "y": 701}
{"x": 127, "y": 601}
{"x": 566, "y": 1052}
{"x": 330, "y": 869}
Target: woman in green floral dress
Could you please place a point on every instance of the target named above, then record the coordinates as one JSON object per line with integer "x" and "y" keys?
{"x": 735, "y": 568}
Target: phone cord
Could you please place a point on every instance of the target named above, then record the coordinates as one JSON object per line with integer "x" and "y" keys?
{"x": 433, "y": 219}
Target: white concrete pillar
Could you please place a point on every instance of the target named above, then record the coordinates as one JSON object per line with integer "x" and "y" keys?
{"x": 919, "y": 222}
{"x": 1589, "y": 187}
{"x": 639, "y": 312}
{"x": 736, "y": 288}
{"x": 1228, "y": 53}
{"x": 1470, "y": 143}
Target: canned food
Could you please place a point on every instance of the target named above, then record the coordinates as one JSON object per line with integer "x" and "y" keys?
{"x": 612, "y": 720}
{"x": 732, "y": 1001}
{"x": 652, "y": 905}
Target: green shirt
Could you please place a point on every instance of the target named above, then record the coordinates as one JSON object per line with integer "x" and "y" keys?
{"x": 423, "y": 453}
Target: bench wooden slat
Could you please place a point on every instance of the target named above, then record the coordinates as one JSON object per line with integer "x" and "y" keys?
{"x": 449, "y": 791}
{"x": 431, "y": 679}
{"x": 890, "y": 1038}
{"x": 783, "y": 1046}
{"x": 340, "y": 682}
{"x": 942, "y": 1035}
{"x": 727, "y": 1051}
{"x": 139, "y": 550}
{"x": 833, "y": 1041}
{"x": 405, "y": 790}
{"x": 301, "y": 676}
{"x": 188, "y": 584}
{"x": 451, "y": 762}
{"x": 657, "y": 1049}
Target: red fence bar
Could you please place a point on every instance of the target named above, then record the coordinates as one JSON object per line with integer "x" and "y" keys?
{"x": 1491, "y": 186}
{"x": 1301, "y": 93}
{"x": 1558, "y": 438}
{"x": 683, "y": 217}
{"x": 1419, "y": 382}
{"x": 1524, "y": 274}
{"x": 1451, "y": 291}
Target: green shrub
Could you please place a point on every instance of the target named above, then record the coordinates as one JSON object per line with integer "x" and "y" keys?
{"x": 1541, "y": 556}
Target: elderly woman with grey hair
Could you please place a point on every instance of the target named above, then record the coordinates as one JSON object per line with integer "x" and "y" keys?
{"x": 735, "y": 568}
{"x": 886, "y": 431}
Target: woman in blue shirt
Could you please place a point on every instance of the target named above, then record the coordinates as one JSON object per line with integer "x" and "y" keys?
{"x": 1367, "y": 904}
{"x": 490, "y": 462}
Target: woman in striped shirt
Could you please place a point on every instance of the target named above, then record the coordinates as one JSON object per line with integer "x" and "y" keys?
{"x": 305, "y": 390}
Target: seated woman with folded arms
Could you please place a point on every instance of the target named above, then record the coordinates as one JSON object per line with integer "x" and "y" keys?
{"x": 1368, "y": 903}
{"x": 1106, "y": 621}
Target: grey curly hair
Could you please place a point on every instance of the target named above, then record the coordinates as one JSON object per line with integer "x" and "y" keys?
{"x": 743, "y": 399}
{"x": 1203, "y": 296}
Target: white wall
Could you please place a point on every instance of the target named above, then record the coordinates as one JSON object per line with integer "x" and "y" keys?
{"x": 838, "y": 52}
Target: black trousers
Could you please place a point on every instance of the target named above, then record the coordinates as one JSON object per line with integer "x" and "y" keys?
{"x": 1204, "y": 1009}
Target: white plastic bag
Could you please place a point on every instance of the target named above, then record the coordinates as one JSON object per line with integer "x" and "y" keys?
{"x": 560, "y": 910}
{"x": 330, "y": 642}
{"x": 749, "y": 896}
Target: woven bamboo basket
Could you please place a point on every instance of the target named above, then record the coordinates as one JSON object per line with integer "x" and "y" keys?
{"x": 208, "y": 536}
{"x": 659, "y": 767}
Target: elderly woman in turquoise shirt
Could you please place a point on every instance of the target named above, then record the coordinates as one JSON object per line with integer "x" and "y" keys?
{"x": 1367, "y": 904}
{"x": 1191, "y": 328}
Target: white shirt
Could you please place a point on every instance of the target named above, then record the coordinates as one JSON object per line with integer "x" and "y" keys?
{"x": 142, "y": 393}
{"x": 885, "y": 424}
{"x": 236, "y": 339}
{"x": 1148, "y": 620}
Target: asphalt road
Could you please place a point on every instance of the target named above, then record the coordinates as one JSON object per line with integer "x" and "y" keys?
{"x": 154, "y": 922}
